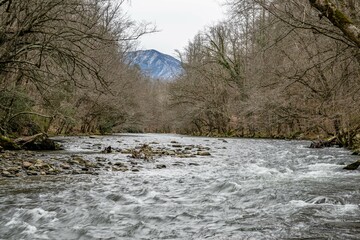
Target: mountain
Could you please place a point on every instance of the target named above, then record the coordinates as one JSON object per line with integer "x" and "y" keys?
{"x": 155, "y": 64}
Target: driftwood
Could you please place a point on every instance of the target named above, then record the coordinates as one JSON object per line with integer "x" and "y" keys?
{"x": 324, "y": 143}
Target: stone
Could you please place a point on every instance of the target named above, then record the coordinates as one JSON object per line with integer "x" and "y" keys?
{"x": 160, "y": 166}
{"x": 194, "y": 164}
{"x": 14, "y": 169}
{"x": 64, "y": 166}
{"x": 37, "y": 142}
{"x": 177, "y": 146}
{"x": 203, "y": 154}
{"x": 119, "y": 169}
{"x": 27, "y": 164}
{"x": 7, "y": 144}
{"x": 170, "y": 153}
{"x": 119, "y": 164}
{"x": 353, "y": 166}
{"x": 7, "y": 174}
{"x": 135, "y": 170}
{"x": 39, "y": 163}
{"x": 107, "y": 150}
{"x": 32, "y": 173}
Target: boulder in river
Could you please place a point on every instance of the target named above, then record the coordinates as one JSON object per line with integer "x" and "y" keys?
{"x": 7, "y": 144}
{"x": 37, "y": 142}
{"x": 353, "y": 166}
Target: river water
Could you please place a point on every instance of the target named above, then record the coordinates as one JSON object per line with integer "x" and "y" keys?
{"x": 246, "y": 189}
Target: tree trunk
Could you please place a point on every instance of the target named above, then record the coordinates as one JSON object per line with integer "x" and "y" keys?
{"x": 339, "y": 19}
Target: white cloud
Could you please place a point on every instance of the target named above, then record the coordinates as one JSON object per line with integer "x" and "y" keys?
{"x": 178, "y": 20}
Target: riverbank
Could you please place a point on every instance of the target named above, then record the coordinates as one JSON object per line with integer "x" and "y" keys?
{"x": 23, "y": 163}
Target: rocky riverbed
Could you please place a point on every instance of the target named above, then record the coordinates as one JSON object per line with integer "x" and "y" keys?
{"x": 30, "y": 163}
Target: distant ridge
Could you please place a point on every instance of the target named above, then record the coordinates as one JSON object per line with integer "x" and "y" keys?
{"x": 155, "y": 64}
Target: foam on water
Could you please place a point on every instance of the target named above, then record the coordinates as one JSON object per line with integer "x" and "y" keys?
{"x": 247, "y": 189}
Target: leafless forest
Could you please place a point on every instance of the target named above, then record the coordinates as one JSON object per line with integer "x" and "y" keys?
{"x": 274, "y": 68}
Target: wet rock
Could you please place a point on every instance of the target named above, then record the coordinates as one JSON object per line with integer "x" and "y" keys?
{"x": 27, "y": 164}
{"x": 7, "y": 144}
{"x": 160, "y": 166}
{"x": 119, "y": 169}
{"x": 39, "y": 163}
{"x": 76, "y": 172}
{"x": 73, "y": 162}
{"x": 178, "y": 164}
{"x": 32, "y": 173}
{"x": 100, "y": 159}
{"x": 193, "y": 164}
{"x": 135, "y": 170}
{"x": 353, "y": 166}
{"x": 14, "y": 169}
{"x": 125, "y": 151}
{"x": 203, "y": 153}
{"x": 174, "y": 142}
{"x": 65, "y": 166}
{"x": 7, "y": 174}
{"x": 94, "y": 136}
{"x": 177, "y": 146}
{"x": 89, "y": 164}
{"x": 119, "y": 164}
{"x": 107, "y": 150}
{"x": 37, "y": 142}
{"x": 170, "y": 153}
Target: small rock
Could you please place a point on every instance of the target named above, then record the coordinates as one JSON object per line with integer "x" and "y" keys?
{"x": 126, "y": 151}
{"x": 119, "y": 164}
{"x": 73, "y": 162}
{"x": 64, "y": 166}
{"x": 173, "y": 142}
{"x": 33, "y": 173}
{"x": 178, "y": 164}
{"x": 160, "y": 166}
{"x": 194, "y": 164}
{"x": 170, "y": 153}
{"x": 177, "y": 146}
{"x": 76, "y": 172}
{"x": 119, "y": 169}
{"x": 27, "y": 164}
{"x": 107, "y": 150}
{"x": 203, "y": 154}
{"x": 14, "y": 169}
{"x": 39, "y": 163}
{"x": 7, "y": 174}
{"x": 135, "y": 170}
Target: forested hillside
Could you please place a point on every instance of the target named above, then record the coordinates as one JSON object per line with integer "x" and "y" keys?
{"x": 274, "y": 69}
{"x": 62, "y": 67}
{"x": 288, "y": 69}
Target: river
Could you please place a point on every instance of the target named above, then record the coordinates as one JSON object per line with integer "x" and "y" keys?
{"x": 247, "y": 189}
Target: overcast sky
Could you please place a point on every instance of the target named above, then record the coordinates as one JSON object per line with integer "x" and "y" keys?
{"x": 178, "y": 21}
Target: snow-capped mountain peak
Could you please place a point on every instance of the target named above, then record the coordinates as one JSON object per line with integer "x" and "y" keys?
{"x": 155, "y": 64}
